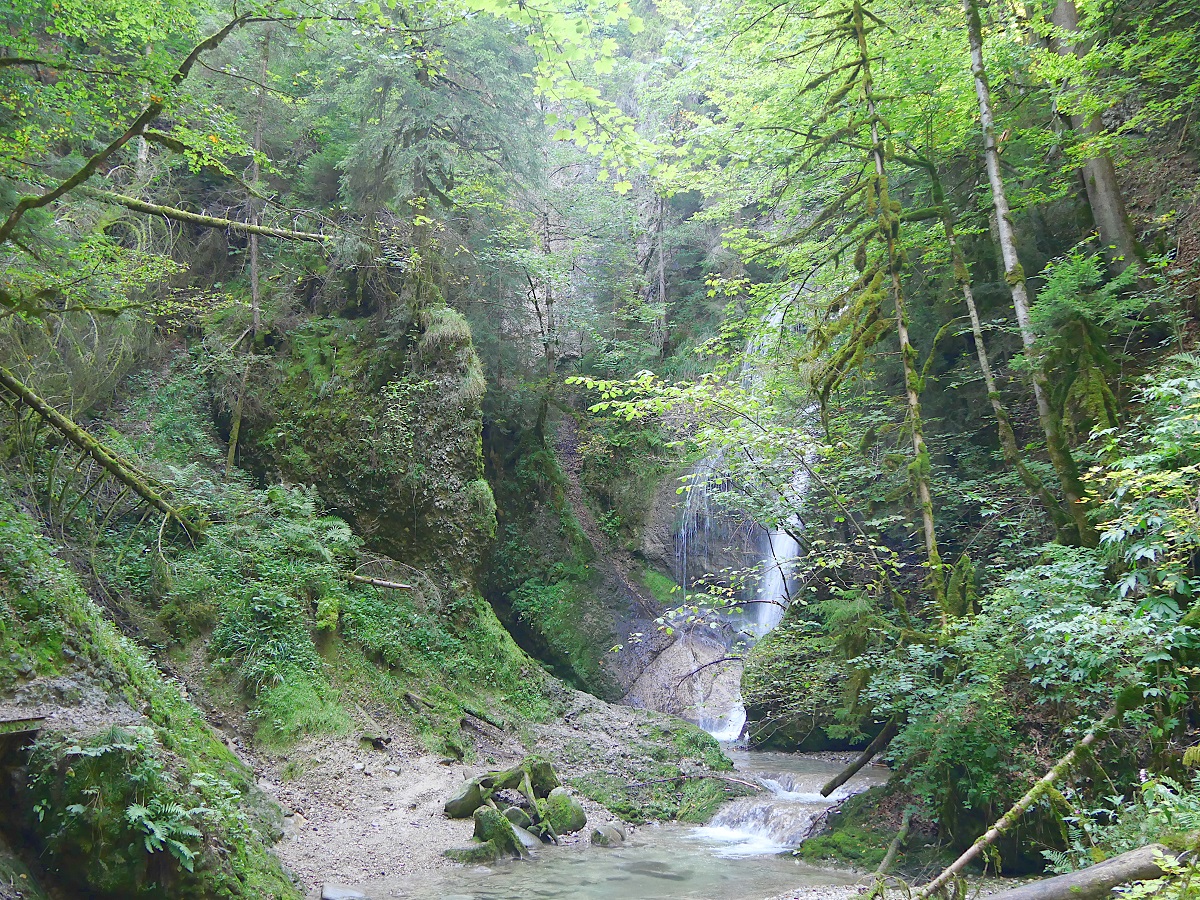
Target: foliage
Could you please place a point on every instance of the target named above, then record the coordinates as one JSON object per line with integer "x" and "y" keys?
{"x": 156, "y": 810}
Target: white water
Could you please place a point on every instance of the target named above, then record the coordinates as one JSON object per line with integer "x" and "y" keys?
{"x": 784, "y": 816}
{"x": 722, "y": 713}
{"x": 737, "y": 857}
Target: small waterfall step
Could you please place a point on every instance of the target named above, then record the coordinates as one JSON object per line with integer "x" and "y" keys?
{"x": 783, "y": 817}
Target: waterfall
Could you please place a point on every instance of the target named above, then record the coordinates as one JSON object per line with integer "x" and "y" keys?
{"x": 721, "y": 711}
{"x": 787, "y": 812}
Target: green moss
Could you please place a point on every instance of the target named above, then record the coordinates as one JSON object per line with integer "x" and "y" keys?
{"x": 664, "y": 588}
{"x": 664, "y": 795}
{"x": 541, "y": 575}
{"x": 794, "y": 688}
{"x": 388, "y": 429}
{"x": 564, "y": 813}
{"x": 91, "y": 797}
{"x": 851, "y": 837}
{"x": 693, "y": 743}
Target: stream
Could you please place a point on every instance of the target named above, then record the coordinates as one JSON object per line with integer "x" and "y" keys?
{"x": 740, "y": 855}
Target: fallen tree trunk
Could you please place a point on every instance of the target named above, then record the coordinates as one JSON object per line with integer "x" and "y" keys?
{"x": 881, "y": 741}
{"x": 182, "y": 215}
{"x": 889, "y": 858}
{"x": 1009, "y": 819}
{"x": 380, "y": 582}
{"x": 122, "y": 471}
{"x": 1096, "y": 881}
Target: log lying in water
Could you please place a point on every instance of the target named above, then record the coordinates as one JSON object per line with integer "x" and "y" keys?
{"x": 890, "y": 730}
{"x": 1096, "y": 881}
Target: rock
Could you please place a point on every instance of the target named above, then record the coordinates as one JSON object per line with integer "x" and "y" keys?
{"x": 474, "y": 855}
{"x": 518, "y": 817}
{"x": 528, "y": 839}
{"x": 358, "y": 767}
{"x": 492, "y": 827}
{"x": 468, "y": 799}
{"x": 395, "y": 770}
{"x": 564, "y": 812}
{"x": 607, "y": 836}
{"x": 542, "y": 776}
{"x": 341, "y": 892}
{"x": 377, "y": 741}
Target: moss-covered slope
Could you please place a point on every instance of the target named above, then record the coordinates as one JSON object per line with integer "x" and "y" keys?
{"x": 127, "y": 792}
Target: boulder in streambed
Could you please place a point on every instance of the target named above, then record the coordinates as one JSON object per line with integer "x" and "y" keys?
{"x": 518, "y": 817}
{"x": 542, "y": 777}
{"x": 528, "y": 839}
{"x": 473, "y": 854}
{"x": 607, "y": 836}
{"x": 468, "y": 799}
{"x": 534, "y": 778}
{"x": 492, "y": 827}
{"x": 564, "y": 813}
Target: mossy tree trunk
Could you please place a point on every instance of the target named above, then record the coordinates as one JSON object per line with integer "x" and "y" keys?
{"x": 1074, "y": 493}
{"x": 235, "y": 427}
{"x": 888, "y": 229}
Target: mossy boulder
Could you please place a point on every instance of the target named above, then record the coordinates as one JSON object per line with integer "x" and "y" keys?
{"x": 492, "y": 827}
{"x": 518, "y": 817}
{"x": 542, "y": 776}
{"x": 468, "y": 799}
{"x": 528, "y": 839}
{"x": 564, "y": 813}
{"x": 474, "y": 854}
{"x": 607, "y": 836}
{"x": 387, "y": 427}
{"x": 793, "y": 688}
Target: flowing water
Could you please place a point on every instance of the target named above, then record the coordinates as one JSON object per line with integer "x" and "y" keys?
{"x": 742, "y": 853}
{"x": 738, "y": 856}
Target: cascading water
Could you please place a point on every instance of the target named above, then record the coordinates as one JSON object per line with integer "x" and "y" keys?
{"x": 786, "y": 814}
{"x": 721, "y": 711}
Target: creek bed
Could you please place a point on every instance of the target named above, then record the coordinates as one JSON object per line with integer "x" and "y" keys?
{"x": 739, "y": 857}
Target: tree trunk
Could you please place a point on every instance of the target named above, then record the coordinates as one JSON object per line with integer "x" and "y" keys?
{"x": 1094, "y": 882}
{"x": 880, "y": 742}
{"x": 183, "y": 215}
{"x": 122, "y": 471}
{"x": 235, "y": 428}
{"x": 1060, "y": 455}
{"x": 1099, "y": 173}
{"x": 661, "y": 324}
{"x": 1008, "y": 440}
{"x": 889, "y": 221}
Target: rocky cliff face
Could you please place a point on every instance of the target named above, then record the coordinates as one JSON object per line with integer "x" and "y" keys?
{"x": 388, "y": 430}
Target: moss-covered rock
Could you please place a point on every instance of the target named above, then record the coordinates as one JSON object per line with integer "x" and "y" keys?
{"x": 491, "y": 827}
{"x": 474, "y": 854}
{"x": 465, "y": 801}
{"x": 564, "y": 812}
{"x": 794, "y": 689}
{"x": 387, "y": 427}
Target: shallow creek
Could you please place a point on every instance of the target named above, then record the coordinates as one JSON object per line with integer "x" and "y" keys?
{"x": 736, "y": 857}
